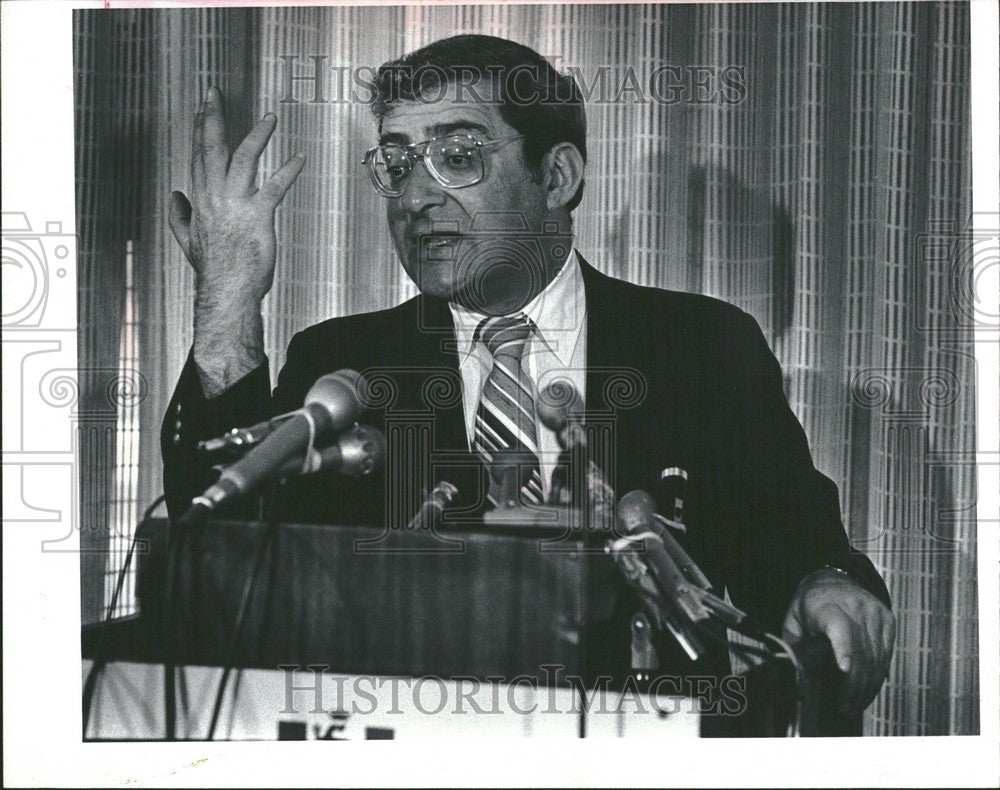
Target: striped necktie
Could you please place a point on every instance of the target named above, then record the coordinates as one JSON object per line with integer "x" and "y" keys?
{"x": 505, "y": 421}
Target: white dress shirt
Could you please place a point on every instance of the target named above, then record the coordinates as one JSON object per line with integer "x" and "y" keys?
{"x": 557, "y": 350}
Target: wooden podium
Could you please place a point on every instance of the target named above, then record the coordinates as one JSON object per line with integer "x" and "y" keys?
{"x": 359, "y": 599}
{"x": 501, "y": 603}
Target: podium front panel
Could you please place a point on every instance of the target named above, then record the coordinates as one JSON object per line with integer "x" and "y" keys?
{"x": 360, "y": 600}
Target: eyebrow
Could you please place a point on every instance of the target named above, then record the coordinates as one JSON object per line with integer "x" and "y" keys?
{"x": 459, "y": 125}
{"x": 437, "y": 130}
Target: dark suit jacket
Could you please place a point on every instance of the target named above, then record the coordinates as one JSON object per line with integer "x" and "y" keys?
{"x": 678, "y": 379}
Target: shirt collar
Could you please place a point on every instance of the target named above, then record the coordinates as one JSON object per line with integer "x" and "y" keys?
{"x": 557, "y": 312}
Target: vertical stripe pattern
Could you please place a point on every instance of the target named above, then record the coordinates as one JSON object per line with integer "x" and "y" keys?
{"x": 505, "y": 421}
{"x": 819, "y": 180}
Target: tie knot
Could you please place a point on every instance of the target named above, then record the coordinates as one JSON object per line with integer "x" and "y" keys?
{"x": 505, "y": 334}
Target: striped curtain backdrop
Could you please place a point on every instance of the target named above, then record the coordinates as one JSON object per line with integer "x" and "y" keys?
{"x": 828, "y": 195}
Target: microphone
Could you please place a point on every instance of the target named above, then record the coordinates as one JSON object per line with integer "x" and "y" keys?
{"x": 558, "y": 407}
{"x": 515, "y": 467}
{"x": 673, "y": 482}
{"x": 239, "y": 440}
{"x": 687, "y": 566}
{"x": 554, "y": 415}
{"x": 434, "y": 506}
{"x": 683, "y": 583}
{"x": 637, "y": 517}
{"x": 357, "y": 453}
{"x": 330, "y": 406}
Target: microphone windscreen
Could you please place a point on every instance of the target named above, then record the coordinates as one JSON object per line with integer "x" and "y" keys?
{"x": 636, "y": 511}
{"x": 337, "y": 395}
{"x": 349, "y": 376}
{"x": 556, "y": 402}
{"x": 362, "y": 451}
{"x": 358, "y": 452}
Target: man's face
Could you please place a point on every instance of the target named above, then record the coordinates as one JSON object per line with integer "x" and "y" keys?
{"x": 430, "y": 224}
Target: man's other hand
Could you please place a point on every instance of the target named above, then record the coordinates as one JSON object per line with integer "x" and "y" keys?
{"x": 861, "y": 630}
{"x": 226, "y": 231}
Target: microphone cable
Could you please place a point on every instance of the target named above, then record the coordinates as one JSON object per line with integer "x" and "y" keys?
{"x": 176, "y": 534}
{"x": 249, "y": 586}
{"x": 100, "y": 658}
{"x": 178, "y": 531}
{"x": 701, "y": 629}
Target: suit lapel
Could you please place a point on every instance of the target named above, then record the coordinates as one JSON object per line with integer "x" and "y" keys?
{"x": 605, "y": 330}
{"x": 618, "y": 378}
{"x": 434, "y": 390}
{"x": 435, "y": 350}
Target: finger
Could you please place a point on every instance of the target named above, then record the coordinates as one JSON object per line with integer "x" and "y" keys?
{"x": 198, "y": 153}
{"x": 180, "y": 219}
{"x": 865, "y": 685}
{"x": 889, "y": 634}
{"x": 878, "y": 621}
{"x": 872, "y": 668}
{"x": 838, "y": 629}
{"x": 882, "y": 636}
{"x": 791, "y": 628}
{"x": 214, "y": 148}
{"x": 243, "y": 166}
{"x": 273, "y": 190}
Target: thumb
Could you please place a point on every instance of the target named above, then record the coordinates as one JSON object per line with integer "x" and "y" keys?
{"x": 839, "y": 634}
{"x": 180, "y": 220}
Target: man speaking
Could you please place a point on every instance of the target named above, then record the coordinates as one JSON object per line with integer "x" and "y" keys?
{"x": 481, "y": 158}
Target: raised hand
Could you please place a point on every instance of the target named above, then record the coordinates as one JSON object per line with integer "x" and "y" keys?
{"x": 226, "y": 231}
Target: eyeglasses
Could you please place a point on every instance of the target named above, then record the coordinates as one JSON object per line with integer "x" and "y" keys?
{"x": 454, "y": 161}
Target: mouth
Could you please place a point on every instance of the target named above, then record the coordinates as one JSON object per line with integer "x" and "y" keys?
{"x": 439, "y": 238}
{"x": 439, "y": 245}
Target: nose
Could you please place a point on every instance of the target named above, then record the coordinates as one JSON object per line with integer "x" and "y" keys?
{"x": 421, "y": 191}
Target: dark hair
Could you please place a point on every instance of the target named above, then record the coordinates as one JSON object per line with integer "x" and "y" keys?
{"x": 535, "y": 99}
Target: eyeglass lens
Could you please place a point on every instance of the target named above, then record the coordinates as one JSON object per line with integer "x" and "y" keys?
{"x": 453, "y": 162}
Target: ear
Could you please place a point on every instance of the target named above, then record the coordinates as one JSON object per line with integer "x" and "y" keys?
{"x": 562, "y": 172}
